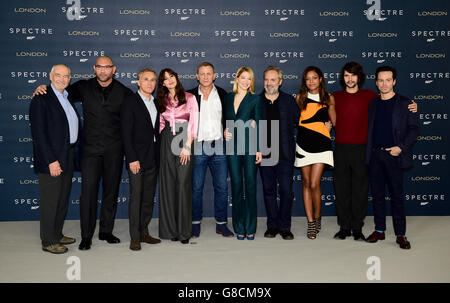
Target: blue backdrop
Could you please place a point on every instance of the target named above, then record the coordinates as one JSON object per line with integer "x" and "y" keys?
{"x": 412, "y": 36}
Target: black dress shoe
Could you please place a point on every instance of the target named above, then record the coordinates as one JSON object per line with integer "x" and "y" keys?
{"x": 271, "y": 233}
{"x": 85, "y": 244}
{"x": 403, "y": 242}
{"x": 174, "y": 239}
{"x": 109, "y": 238}
{"x": 186, "y": 241}
{"x": 357, "y": 235}
{"x": 286, "y": 234}
{"x": 342, "y": 234}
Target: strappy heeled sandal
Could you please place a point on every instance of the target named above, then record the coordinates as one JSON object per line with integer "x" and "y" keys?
{"x": 318, "y": 222}
{"x": 311, "y": 232}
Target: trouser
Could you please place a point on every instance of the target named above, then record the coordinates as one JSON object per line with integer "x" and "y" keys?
{"x": 175, "y": 191}
{"x": 54, "y": 195}
{"x": 142, "y": 196}
{"x": 243, "y": 179}
{"x": 218, "y": 166}
{"x": 384, "y": 170}
{"x": 108, "y": 167}
{"x": 278, "y": 216}
{"x": 351, "y": 185}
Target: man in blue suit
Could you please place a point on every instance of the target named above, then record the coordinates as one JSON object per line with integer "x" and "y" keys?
{"x": 54, "y": 127}
{"x": 392, "y": 131}
{"x": 282, "y": 108}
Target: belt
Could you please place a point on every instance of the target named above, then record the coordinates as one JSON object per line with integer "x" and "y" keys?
{"x": 211, "y": 143}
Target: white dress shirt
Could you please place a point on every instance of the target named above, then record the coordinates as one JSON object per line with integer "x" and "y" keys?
{"x": 210, "y": 126}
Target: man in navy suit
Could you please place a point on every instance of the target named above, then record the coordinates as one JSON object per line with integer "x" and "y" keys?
{"x": 54, "y": 127}
{"x": 282, "y": 108}
{"x": 139, "y": 120}
{"x": 392, "y": 131}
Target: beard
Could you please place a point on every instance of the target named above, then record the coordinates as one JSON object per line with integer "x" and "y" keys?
{"x": 104, "y": 78}
{"x": 271, "y": 92}
{"x": 351, "y": 86}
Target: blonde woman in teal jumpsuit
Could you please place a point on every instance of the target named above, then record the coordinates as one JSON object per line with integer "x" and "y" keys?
{"x": 242, "y": 104}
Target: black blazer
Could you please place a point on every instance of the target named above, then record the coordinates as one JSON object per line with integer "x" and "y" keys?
{"x": 289, "y": 118}
{"x": 50, "y": 132}
{"x": 222, "y": 93}
{"x": 405, "y": 127}
{"x": 138, "y": 132}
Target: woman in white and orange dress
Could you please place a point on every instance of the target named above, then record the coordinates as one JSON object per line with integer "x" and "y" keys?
{"x": 313, "y": 148}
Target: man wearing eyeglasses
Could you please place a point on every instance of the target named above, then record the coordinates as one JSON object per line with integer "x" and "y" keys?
{"x": 102, "y": 97}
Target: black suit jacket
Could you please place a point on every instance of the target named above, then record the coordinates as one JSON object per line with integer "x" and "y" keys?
{"x": 222, "y": 93}
{"x": 405, "y": 128}
{"x": 289, "y": 118}
{"x": 138, "y": 132}
{"x": 50, "y": 132}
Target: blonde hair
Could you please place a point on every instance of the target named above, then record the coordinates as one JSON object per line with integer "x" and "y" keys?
{"x": 145, "y": 70}
{"x": 247, "y": 69}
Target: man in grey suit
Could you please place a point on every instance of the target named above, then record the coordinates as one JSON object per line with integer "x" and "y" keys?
{"x": 139, "y": 119}
{"x": 54, "y": 127}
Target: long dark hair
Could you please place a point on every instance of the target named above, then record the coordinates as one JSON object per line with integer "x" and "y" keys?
{"x": 303, "y": 93}
{"x": 163, "y": 91}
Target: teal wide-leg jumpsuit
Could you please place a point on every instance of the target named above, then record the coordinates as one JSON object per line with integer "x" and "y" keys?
{"x": 242, "y": 166}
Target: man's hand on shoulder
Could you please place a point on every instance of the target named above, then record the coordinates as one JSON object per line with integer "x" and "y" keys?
{"x": 40, "y": 90}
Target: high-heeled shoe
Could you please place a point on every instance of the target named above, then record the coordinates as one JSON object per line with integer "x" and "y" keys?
{"x": 311, "y": 232}
{"x": 251, "y": 237}
{"x": 318, "y": 222}
{"x": 240, "y": 237}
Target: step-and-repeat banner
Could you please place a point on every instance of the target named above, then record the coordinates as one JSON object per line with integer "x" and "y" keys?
{"x": 412, "y": 36}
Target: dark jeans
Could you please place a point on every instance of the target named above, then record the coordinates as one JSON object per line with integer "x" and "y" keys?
{"x": 219, "y": 171}
{"x": 278, "y": 216}
{"x": 384, "y": 170}
{"x": 54, "y": 195}
{"x": 108, "y": 167}
{"x": 351, "y": 185}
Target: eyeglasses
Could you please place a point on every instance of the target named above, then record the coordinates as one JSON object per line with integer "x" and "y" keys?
{"x": 104, "y": 66}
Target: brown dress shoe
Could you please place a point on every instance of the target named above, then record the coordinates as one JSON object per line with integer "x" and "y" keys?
{"x": 403, "y": 242}
{"x": 67, "y": 240}
{"x": 55, "y": 249}
{"x": 135, "y": 245}
{"x": 150, "y": 240}
{"x": 375, "y": 236}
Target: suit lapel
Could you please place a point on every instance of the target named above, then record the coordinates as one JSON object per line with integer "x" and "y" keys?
{"x": 143, "y": 108}
{"x": 241, "y": 105}
{"x": 55, "y": 100}
{"x": 395, "y": 115}
{"x": 57, "y": 104}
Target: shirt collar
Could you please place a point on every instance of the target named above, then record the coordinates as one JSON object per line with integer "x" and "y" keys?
{"x": 57, "y": 93}
{"x": 200, "y": 92}
{"x": 145, "y": 98}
